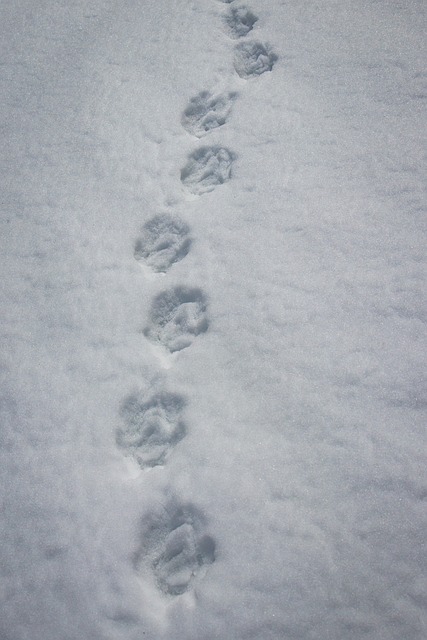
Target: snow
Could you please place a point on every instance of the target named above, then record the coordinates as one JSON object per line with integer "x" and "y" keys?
{"x": 213, "y": 323}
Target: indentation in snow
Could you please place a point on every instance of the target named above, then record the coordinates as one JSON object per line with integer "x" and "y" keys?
{"x": 164, "y": 240}
{"x": 177, "y": 316}
{"x": 253, "y": 58}
{"x": 207, "y": 168}
{"x": 206, "y": 112}
{"x": 240, "y": 21}
{"x": 151, "y": 427}
{"x": 176, "y": 548}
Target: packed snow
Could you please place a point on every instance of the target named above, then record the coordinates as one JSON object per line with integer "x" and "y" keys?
{"x": 213, "y": 328}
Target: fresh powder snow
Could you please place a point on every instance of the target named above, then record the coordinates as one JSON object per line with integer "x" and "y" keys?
{"x": 213, "y": 329}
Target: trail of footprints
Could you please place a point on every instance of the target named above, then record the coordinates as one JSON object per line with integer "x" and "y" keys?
{"x": 175, "y": 547}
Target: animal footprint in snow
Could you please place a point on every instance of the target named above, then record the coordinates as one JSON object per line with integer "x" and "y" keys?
{"x": 164, "y": 240}
{"x": 252, "y": 59}
{"x": 207, "y": 168}
{"x": 240, "y": 21}
{"x": 176, "y": 548}
{"x": 206, "y": 112}
{"x": 177, "y": 316}
{"x": 151, "y": 427}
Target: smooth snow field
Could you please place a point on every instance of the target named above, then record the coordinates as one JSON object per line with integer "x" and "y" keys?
{"x": 213, "y": 320}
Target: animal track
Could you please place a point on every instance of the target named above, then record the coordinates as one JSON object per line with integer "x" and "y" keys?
{"x": 207, "y": 168}
{"x": 176, "y": 548}
{"x": 240, "y": 21}
{"x": 177, "y": 316}
{"x": 253, "y": 59}
{"x": 206, "y": 112}
{"x": 151, "y": 428}
{"x": 164, "y": 240}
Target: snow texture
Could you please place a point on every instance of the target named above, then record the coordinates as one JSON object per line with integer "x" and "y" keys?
{"x": 213, "y": 330}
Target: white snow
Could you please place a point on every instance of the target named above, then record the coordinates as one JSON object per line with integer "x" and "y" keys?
{"x": 213, "y": 328}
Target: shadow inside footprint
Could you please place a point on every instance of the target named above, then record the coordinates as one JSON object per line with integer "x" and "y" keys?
{"x": 177, "y": 316}
{"x": 207, "y": 168}
{"x": 177, "y": 548}
{"x": 164, "y": 240}
{"x": 251, "y": 59}
{"x": 151, "y": 427}
{"x": 240, "y": 21}
{"x": 206, "y": 112}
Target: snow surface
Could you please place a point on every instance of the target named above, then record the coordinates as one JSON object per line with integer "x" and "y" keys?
{"x": 213, "y": 326}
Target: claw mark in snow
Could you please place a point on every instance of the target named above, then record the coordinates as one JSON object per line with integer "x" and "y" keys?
{"x": 207, "y": 168}
{"x": 253, "y": 58}
{"x": 177, "y": 316}
{"x": 206, "y": 112}
{"x": 240, "y": 21}
{"x": 176, "y": 548}
{"x": 164, "y": 240}
{"x": 151, "y": 428}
